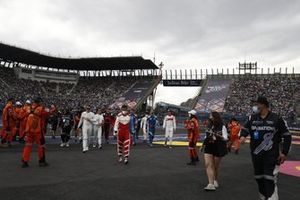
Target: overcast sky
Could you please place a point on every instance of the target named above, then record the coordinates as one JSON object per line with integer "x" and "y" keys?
{"x": 183, "y": 34}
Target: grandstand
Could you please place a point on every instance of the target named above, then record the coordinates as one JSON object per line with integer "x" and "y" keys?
{"x": 75, "y": 82}
{"x": 232, "y": 94}
{"x": 281, "y": 89}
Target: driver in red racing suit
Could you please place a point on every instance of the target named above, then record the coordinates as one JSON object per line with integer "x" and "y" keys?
{"x": 121, "y": 129}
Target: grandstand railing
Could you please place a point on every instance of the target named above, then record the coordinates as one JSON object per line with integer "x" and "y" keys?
{"x": 135, "y": 71}
{"x": 121, "y": 73}
{"x": 200, "y": 74}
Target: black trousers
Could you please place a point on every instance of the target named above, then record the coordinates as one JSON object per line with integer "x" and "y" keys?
{"x": 266, "y": 172}
{"x": 106, "y": 130}
{"x": 65, "y": 136}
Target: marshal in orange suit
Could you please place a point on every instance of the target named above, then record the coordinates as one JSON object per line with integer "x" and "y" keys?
{"x": 19, "y": 114}
{"x": 192, "y": 126}
{"x": 8, "y": 122}
{"x": 234, "y": 128}
{"x": 26, "y": 111}
{"x": 35, "y": 133}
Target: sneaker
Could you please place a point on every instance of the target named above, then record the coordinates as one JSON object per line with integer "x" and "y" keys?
{"x": 170, "y": 147}
{"x": 94, "y": 145}
{"x": 120, "y": 159}
{"x": 43, "y": 164}
{"x": 126, "y": 161}
{"x": 100, "y": 147}
{"x": 25, "y": 164}
{"x": 67, "y": 145}
{"x": 210, "y": 187}
{"x": 216, "y": 184}
{"x": 62, "y": 144}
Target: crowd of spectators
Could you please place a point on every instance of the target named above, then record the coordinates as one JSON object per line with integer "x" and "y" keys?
{"x": 99, "y": 92}
{"x": 95, "y": 91}
{"x": 280, "y": 89}
{"x": 20, "y": 89}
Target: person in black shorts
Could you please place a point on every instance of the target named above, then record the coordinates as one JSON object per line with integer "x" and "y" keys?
{"x": 215, "y": 147}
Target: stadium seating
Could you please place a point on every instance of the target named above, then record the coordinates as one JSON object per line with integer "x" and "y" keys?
{"x": 95, "y": 91}
{"x": 280, "y": 89}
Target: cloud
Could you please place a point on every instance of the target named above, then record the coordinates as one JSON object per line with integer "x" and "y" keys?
{"x": 183, "y": 34}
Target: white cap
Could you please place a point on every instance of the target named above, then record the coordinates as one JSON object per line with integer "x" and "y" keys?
{"x": 192, "y": 112}
{"x": 18, "y": 103}
{"x": 28, "y": 102}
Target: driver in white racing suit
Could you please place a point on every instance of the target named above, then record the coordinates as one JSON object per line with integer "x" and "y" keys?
{"x": 169, "y": 126}
{"x": 86, "y": 120}
{"x": 98, "y": 123}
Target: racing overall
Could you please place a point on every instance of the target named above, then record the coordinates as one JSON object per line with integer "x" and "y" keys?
{"x": 169, "y": 126}
{"x": 35, "y": 133}
{"x": 192, "y": 127}
{"x": 121, "y": 128}
{"x": 87, "y": 128}
{"x": 133, "y": 125}
{"x": 151, "y": 122}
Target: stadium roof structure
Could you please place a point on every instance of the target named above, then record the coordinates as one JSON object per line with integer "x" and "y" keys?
{"x": 15, "y": 54}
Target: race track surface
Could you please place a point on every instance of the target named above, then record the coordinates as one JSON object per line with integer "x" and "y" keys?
{"x": 153, "y": 173}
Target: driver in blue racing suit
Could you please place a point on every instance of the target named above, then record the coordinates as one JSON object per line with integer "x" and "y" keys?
{"x": 151, "y": 124}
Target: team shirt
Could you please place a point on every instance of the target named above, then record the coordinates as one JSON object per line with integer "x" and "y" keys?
{"x": 267, "y": 134}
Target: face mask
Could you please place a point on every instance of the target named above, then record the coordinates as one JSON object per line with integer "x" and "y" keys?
{"x": 255, "y": 109}
{"x": 190, "y": 115}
